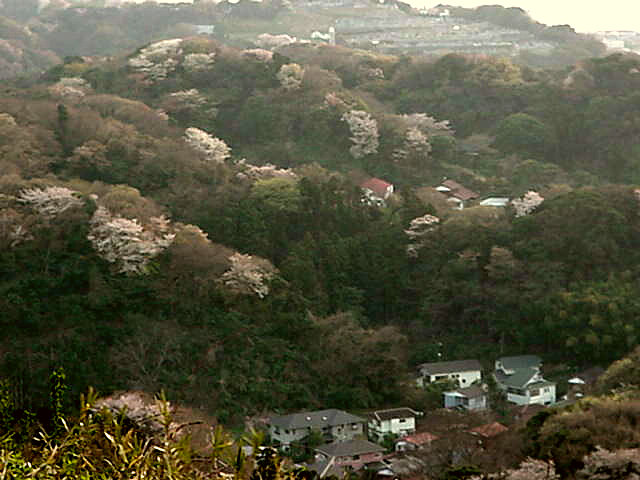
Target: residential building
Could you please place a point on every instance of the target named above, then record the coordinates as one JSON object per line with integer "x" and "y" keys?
{"x": 458, "y": 195}
{"x": 354, "y": 453}
{"x": 415, "y": 441}
{"x": 376, "y": 191}
{"x": 469, "y": 398}
{"x": 521, "y": 378}
{"x": 396, "y": 421}
{"x": 332, "y": 424}
{"x": 464, "y": 372}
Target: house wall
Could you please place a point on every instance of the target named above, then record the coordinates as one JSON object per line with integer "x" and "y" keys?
{"x": 347, "y": 432}
{"x": 479, "y": 403}
{"x": 358, "y": 461}
{"x": 395, "y": 426}
{"x": 543, "y": 398}
{"x": 286, "y": 436}
{"x": 339, "y": 432}
{"x": 464, "y": 379}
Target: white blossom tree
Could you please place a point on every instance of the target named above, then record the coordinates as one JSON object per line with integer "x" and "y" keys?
{"x": 527, "y": 203}
{"x": 364, "y": 132}
{"x": 198, "y": 62}
{"x": 50, "y": 201}
{"x": 606, "y": 465}
{"x": 530, "y": 469}
{"x": 259, "y": 54}
{"x": 214, "y": 149}
{"x": 290, "y": 76}
{"x": 263, "y": 172}
{"x": 157, "y": 60}
{"x": 418, "y": 228}
{"x": 248, "y": 275}
{"x": 70, "y": 88}
{"x": 126, "y": 243}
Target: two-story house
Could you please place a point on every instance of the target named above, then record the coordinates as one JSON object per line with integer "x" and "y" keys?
{"x": 332, "y": 424}
{"x": 464, "y": 372}
{"x": 521, "y": 378}
{"x": 396, "y": 421}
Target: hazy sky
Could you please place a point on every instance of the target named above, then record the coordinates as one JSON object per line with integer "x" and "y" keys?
{"x": 583, "y": 15}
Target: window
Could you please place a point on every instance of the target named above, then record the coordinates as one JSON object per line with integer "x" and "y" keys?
{"x": 402, "y": 420}
{"x": 546, "y": 390}
{"x": 535, "y": 392}
{"x": 356, "y": 457}
{"x": 287, "y": 432}
{"x": 464, "y": 380}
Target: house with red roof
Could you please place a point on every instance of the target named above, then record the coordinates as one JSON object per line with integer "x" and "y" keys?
{"x": 376, "y": 191}
{"x": 415, "y": 441}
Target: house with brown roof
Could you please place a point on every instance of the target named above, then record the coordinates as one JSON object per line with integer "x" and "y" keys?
{"x": 469, "y": 398}
{"x": 458, "y": 195}
{"x": 376, "y": 191}
{"x": 415, "y": 441}
{"x": 463, "y": 372}
{"x": 489, "y": 430}
{"x": 394, "y": 421}
{"x": 354, "y": 453}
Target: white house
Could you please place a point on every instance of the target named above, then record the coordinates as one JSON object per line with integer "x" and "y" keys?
{"x": 396, "y": 421}
{"x": 520, "y": 377}
{"x": 464, "y": 372}
{"x": 376, "y": 191}
{"x": 469, "y": 398}
{"x": 332, "y": 424}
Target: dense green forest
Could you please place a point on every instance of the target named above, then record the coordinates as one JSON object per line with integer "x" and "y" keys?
{"x": 256, "y": 159}
{"x": 187, "y": 216}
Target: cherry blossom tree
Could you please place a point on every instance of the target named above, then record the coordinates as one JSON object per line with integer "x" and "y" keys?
{"x": 126, "y": 243}
{"x": 214, "y": 149}
{"x": 50, "y": 201}
{"x": 263, "y": 172}
{"x": 259, "y": 54}
{"x": 248, "y": 275}
{"x": 606, "y": 465}
{"x": 418, "y": 228}
{"x": 157, "y": 60}
{"x": 527, "y": 203}
{"x": 364, "y": 131}
{"x": 198, "y": 62}
{"x": 290, "y": 76}
{"x": 70, "y": 88}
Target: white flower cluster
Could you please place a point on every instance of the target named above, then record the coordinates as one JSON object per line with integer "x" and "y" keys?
{"x": 191, "y": 97}
{"x": 418, "y": 228}
{"x": 290, "y": 76}
{"x": 50, "y": 201}
{"x": 364, "y": 131}
{"x": 214, "y": 149}
{"x": 126, "y": 243}
{"x": 259, "y": 54}
{"x": 427, "y": 124}
{"x": 7, "y": 120}
{"x": 157, "y": 60}
{"x": 604, "y": 464}
{"x": 133, "y": 405}
{"x": 254, "y": 172}
{"x": 266, "y": 40}
{"x": 530, "y": 469}
{"x": 11, "y": 230}
{"x": 415, "y": 142}
{"x": 527, "y": 204}
{"x": 248, "y": 275}
{"x": 71, "y": 88}
{"x": 198, "y": 62}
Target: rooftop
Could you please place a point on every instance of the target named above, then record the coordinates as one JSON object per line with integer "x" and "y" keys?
{"x": 317, "y": 419}
{"x": 521, "y": 361}
{"x": 438, "y": 368}
{"x": 377, "y": 186}
{"x": 419, "y": 438}
{"x": 349, "y": 449}
{"x": 404, "y": 412}
{"x": 489, "y": 430}
{"x": 474, "y": 391}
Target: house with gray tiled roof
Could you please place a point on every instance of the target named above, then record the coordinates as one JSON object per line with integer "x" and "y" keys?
{"x": 521, "y": 379}
{"x": 463, "y": 372}
{"x": 469, "y": 398}
{"x": 333, "y": 424}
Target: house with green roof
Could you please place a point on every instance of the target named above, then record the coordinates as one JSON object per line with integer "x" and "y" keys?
{"x": 521, "y": 379}
{"x": 332, "y": 424}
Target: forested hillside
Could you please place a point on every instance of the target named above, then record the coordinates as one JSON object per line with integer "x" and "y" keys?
{"x": 189, "y": 217}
